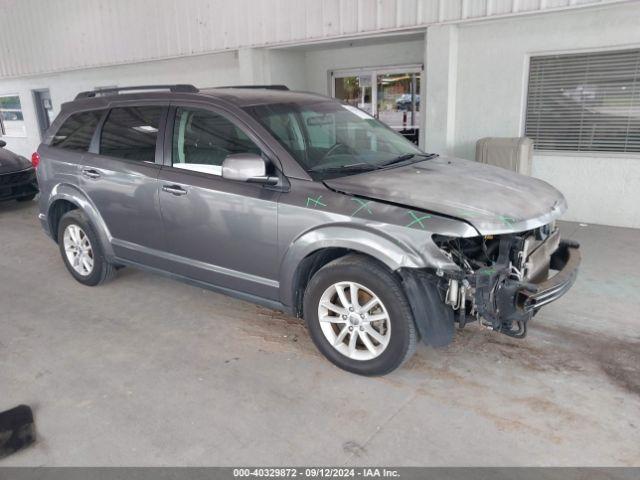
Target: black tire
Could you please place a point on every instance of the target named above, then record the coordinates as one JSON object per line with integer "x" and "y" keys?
{"x": 28, "y": 198}
{"x": 102, "y": 269}
{"x": 379, "y": 280}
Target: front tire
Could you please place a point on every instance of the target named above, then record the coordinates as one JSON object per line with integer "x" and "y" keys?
{"x": 359, "y": 317}
{"x": 81, "y": 250}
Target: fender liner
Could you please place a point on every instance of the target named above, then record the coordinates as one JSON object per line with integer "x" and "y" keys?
{"x": 433, "y": 318}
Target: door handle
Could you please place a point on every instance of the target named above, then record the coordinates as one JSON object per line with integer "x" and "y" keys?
{"x": 90, "y": 173}
{"x": 174, "y": 190}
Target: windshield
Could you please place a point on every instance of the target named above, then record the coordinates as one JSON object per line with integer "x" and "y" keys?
{"x": 330, "y": 139}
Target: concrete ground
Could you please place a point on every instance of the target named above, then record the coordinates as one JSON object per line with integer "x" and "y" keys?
{"x": 147, "y": 371}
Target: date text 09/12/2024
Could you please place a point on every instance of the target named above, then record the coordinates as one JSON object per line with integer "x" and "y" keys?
{"x": 315, "y": 472}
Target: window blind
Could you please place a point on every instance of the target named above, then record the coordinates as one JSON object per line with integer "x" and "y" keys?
{"x": 587, "y": 102}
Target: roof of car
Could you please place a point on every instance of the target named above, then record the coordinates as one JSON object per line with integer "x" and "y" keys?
{"x": 239, "y": 96}
{"x": 259, "y": 96}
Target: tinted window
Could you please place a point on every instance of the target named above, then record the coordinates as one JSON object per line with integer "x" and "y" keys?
{"x": 131, "y": 133}
{"x": 203, "y": 139}
{"x": 76, "y": 131}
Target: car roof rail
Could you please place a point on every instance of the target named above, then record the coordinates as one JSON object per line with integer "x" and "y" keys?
{"x": 178, "y": 88}
{"x": 266, "y": 87}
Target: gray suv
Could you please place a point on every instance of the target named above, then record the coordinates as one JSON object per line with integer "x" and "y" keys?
{"x": 303, "y": 204}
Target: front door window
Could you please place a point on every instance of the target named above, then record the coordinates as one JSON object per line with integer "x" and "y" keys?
{"x": 203, "y": 139}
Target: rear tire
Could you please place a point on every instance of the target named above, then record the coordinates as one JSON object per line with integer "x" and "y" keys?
{"x": 371, "y": 334}
{"x": 81, "y": 250}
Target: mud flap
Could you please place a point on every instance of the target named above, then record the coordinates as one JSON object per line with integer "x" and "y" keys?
{"x": 434, "y": 319}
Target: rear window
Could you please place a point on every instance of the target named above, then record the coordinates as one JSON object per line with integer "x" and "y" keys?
{"x": 131, "y": 133}
{"x": 76, "y": 131}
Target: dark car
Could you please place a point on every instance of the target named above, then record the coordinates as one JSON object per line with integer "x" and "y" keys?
{"x": 403, "y": 102}
{"x": 17, "y": 176}
{"x": 301, "y": 203}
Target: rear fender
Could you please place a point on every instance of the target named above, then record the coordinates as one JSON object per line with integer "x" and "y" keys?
{"x": 71, "y": 193}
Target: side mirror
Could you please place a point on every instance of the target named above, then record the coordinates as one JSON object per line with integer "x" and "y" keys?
{"x": 247, "y": 167}
{"x": 3, "y": 144}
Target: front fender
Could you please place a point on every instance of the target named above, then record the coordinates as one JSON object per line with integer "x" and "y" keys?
{"x": 384, "y": 247}
{"x": 72, "y": 194}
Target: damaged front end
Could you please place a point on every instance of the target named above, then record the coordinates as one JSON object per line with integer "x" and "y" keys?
{"x": 505, "y": 279}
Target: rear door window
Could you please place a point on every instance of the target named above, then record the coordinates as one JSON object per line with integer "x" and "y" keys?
{"x": 77, "y": 130}
{"x": 131, "y": 133}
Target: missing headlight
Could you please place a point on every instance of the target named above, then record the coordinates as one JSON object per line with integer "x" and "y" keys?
{"x": 543, "y": 232}
{"x": 469, "y": 253}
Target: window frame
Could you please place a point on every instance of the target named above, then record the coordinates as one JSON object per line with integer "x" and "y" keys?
{"x": 245, "y": 127}
{"x": 2, "y": 128}
{"x": 525, "y": 95}
{"x": 159, "y": 150}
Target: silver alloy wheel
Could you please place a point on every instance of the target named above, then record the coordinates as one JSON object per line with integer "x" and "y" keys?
{"x": 354, "y": 320}
{"x": 78, "y": 249}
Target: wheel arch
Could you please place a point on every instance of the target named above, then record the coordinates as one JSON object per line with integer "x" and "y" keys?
{"x": 314, "y": 249}
{"x": 64, "y": 198}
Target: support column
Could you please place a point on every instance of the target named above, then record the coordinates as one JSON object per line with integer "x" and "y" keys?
{"x": 441, "y": 68}
{"x": 253, "y": 64}
{"x": 261, "y": 66}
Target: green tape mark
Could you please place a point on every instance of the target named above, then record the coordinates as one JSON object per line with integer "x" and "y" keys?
{"x": 488, "y": 271}
{"x": 315, "y": 202}
{"x": 470, "y": 214}
{"x": 507, "y": 221}
{"x": 467, "y": 213}
{"x": 416, "y": 220}
{"x": 362, "y": 204}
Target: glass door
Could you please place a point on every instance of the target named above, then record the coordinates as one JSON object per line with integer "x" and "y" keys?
{"x": 355, "y": 90}
{"x": 398, "y": 102}
{"x": 392, "y": 95}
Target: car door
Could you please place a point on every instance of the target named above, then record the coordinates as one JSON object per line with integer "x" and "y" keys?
{"x": 218, "y": 231}
{"x": 120, "y": 176}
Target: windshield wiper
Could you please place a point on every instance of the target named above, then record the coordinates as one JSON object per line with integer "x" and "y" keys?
{"x": 353, "y": 167}
{"x": 407, "y": 156}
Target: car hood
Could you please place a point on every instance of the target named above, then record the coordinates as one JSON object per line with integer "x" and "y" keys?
{"x": 494, "y": 200}
{"x": 10, "y": 162}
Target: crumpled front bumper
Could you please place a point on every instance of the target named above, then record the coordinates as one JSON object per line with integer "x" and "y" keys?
{"x": 503, "y": 303}
{"x": 506, "y": 304}
{"x": 566, "y": 259}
